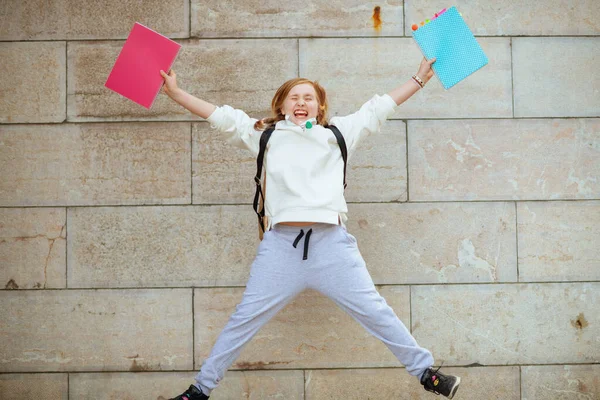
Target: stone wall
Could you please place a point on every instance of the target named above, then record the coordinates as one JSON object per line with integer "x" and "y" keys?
{"x": 126, "y": 235}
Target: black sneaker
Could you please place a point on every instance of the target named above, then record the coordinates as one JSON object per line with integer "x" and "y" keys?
{"x": 438, "y": 383}
{"x": 193, "y": 393}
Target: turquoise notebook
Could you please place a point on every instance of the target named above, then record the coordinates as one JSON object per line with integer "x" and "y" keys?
{"x": 449, "y": 39}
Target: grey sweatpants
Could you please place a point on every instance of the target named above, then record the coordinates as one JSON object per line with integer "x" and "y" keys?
{"x": 334, "y": 267}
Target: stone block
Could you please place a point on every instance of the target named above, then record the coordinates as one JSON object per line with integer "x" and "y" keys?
{"x": 96, "y": 330}
{"x": 559, "y": 241}
{"x": 545, "y": 82}
{"x": 514, "y": 159}
{"x": 109, "y": 19}
{"x": 437, "y": 242}
{"x": 508, "y": 324}
{"x": 514, "y": 18}
{"x": 253, "y": 385}
{"x": 391, "y": 383}
{"x": 33, "y": 248}
{"x": 95, "y": 164}
{"x": 233, "y": 72}
{"x": 35, "y": 89}
{"x": 161, "y": 246}
{"x": 285, "y": 19}
{"x": 552, "y": 382}
{"x": 34, "y": 386}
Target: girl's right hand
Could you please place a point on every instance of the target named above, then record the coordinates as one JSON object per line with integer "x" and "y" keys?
{"x": 170, "y": 86}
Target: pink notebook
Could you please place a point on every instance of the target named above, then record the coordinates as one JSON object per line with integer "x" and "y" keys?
{"x": 136, "y": 73}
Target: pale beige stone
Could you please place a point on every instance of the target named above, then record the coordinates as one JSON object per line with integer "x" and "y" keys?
{"x": 274, "y": 18}
{"x": 161, "y": 246}
{"x": 508, "y": 324}
{"x": 353, "y": 70}
{"x": 33, "y": 248}
{"x": 34, "y": 386}
{"x": 546, "y": 81}
{"x": 225, "y": 174}
{"x": 254, "y": 385}
{"x": 234, "y": 72}
{"x": 107, "y": 19}
{"x": 559, "y": 241}
{"x": 221, "y": 173}
{"x": 504, "y": 159}
{"x": 377, "y": 170}
{"x": 95, "y": 330}
{"x": 310, "y": 332}
{"x": 560, "y": 382}
{"x": 440, "y": 242}
{"x": 33, "y": 88}
{"x": 258, "y": 385}
{"x": 89, "y": 164}
{"x": 516, "y": 18}
{"x": 358, "y": 384}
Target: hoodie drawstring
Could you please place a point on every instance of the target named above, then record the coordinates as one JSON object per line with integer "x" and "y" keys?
{"x": 306, "y": 240}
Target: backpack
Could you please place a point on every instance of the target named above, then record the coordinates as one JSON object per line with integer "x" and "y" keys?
{"x": 259, "y": 197}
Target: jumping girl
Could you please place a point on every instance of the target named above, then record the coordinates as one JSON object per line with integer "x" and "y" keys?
{"x": 305, "y": 202}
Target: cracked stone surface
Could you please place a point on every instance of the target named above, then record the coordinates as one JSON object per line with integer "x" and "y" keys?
{"x": 33, "y": 248}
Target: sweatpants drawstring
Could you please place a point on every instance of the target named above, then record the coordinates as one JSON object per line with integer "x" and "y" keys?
{"x": 306, "y": 240}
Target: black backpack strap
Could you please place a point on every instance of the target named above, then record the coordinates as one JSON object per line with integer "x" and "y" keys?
{"x": 343, "y": 148}
{"x": 264, "y": 139}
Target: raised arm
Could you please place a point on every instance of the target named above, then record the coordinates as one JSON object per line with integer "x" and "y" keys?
{"x": 410, "y": 87}
{"x": 193, "y": 104}
{"x": 234, "y": 125}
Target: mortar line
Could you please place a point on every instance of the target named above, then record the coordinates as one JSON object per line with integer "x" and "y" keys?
{"x": 407, "y": 166}
{"x": 520, "y": 383}
{"x": 215, "y": 38}
{"x": 193, "y": 331}
{"x": 66, "y": 247}
{"x": 517, "y": 239}
{"x": 191, "y": 164}
{"x": 380, "y": 285}
{"x": 410, "y": 310}
{"x": 403, "y": 17}
{"x": 66, "y": 81}
{"x": 474, "y": 365}
{"x": 349, "y": 202}
{"x": 189, "y": 3}
{"x": 512, "y": 77}
{"x": 304, "y": 386}
{"x": 150, "y": 121}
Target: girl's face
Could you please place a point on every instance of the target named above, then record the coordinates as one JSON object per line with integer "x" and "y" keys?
{"x": 301, "y": 103}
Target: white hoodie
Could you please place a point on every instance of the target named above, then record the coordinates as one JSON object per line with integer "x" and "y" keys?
{"x": 304, "y": 167}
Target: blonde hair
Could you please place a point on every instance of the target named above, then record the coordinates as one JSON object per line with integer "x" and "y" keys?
{"x": 279, "y": 99}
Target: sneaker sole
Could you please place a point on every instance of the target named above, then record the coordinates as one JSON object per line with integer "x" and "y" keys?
{"x": 454, "y": 388}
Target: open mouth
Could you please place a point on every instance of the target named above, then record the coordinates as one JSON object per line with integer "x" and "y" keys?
{"x": 300, "y": 114}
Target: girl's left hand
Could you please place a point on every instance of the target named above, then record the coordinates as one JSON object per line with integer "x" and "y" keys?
{"x": 425, "y": 71}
